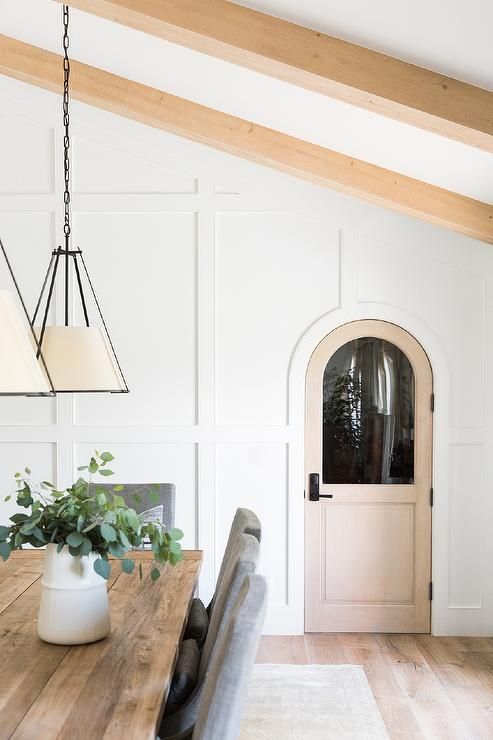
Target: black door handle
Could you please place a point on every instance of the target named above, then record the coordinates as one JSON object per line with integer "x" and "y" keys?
{"x": 314, "y": 488}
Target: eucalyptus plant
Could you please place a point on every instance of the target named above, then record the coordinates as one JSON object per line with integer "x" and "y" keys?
{"x": 87, "y": 519}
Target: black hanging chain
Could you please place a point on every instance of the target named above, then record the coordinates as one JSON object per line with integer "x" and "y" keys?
{"x": 66, "y": 123}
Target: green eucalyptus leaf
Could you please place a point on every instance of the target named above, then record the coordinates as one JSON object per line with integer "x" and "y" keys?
{"x": 7, "y": 498}
{"x": 28, "y": 527}
{"x": 60, "y": 547}
{"x": 119, "y": 501}
{"x": 18, "y": 518}
{"x": 108, "y": 533}
{"x": 175, "y": 534}
{"x": 119, "y": 487}
{"x": 141, "y": 573}
{"x": 5, "y": 550}
{"x": 116, "y": 549}
{"x": 175, "y": 547}
{"x": 4, "y": 532}
{"x": 74, "y": 539}
{"x": 27, "y": 470}
{"x": 80, "y": 522}
{"x": 83, "y": 467}
{"x": 106, "y": 456}
{"x": 86, "y": 546}
{"x": 40, "y": 535}
{"x": 74, "y": 551}
{"x": 124, "y": 540}
{"x": 93, "y": 466}
{"x": 106, "y": 472}
{"x": 102, "y": 568}
{"x": 101, "y": 499}
{"x": 128, "y": 565}
{"x": 155, "y": 573}
{"x": 110, "y": 517}
{"x": 174, "y": 558}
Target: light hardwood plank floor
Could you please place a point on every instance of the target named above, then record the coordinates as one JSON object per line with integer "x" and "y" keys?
{"x": 438, "y": 688}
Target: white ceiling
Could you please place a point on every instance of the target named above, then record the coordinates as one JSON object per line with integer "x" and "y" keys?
{"x": 286, "y": 108}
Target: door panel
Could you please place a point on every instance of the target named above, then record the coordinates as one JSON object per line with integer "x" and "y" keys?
{"x": 369, "y": 429}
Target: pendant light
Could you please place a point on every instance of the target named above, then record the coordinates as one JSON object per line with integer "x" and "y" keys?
{"x": 23, "y": 371}
{"x": 81, "y": 359}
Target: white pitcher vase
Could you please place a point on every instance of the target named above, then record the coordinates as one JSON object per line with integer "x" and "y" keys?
{"x": 74, "y": 607}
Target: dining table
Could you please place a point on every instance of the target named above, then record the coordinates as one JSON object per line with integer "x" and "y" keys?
{"x": 114, "y": 688}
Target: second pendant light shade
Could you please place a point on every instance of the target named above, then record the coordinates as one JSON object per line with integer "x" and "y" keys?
{"x": 21, "y": 373}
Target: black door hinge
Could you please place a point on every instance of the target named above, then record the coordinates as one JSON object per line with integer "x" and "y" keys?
{"x": 432, "y": 402}
{"x": 430, "y": 591}
{"x": 431, "y": 496}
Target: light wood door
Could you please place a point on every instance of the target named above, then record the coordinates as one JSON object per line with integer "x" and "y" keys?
{"x": 369, "y": 439}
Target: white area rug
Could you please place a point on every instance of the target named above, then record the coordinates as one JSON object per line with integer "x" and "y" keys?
{"x": 316, "y": 702}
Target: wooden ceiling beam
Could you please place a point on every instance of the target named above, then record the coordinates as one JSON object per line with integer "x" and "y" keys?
{"x": 313, "y": 60}
{"x": 248, "y": 140}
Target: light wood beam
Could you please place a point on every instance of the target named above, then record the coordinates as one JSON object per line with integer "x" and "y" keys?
{"x": 313, "y": 60}
{"x": 248, "y": 140}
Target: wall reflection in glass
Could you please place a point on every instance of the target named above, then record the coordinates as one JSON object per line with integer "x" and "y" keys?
{"x": 368, "y": 414}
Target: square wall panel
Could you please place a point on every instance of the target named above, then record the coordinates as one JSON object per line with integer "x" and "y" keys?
{"x": 153, "y": 463}
{"x": 276, "y": 273}
{"x": 40, "y": 457}
{"x": 26, "y": 155}
{"x": 449, "y": 300}
{"x": 255, "y": 476}
{"x": 143, "y": 270}
{"x": 102, "y": 169}
{"x": 28, "y": 241}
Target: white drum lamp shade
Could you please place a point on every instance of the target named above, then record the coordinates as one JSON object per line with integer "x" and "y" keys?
{"x": 20, "y": 371}
{"x": 80, "y": 359}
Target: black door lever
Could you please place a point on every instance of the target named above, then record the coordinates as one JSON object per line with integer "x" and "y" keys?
{"x": 314, "y": 488}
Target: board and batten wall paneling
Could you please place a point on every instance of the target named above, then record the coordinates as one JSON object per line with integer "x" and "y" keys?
{"x": 466, "y": 526}
{"x": 218, "y": 279}
{"x": 276, "y": 273}
{"x": 153, "y": 463}
{"x": 419, "y": 284}
{"x": 143, "y": 268}
{"x": 40, "y": 457}
{"x": 26, "y": 156}
{"x": 254, "y": 475}
{"x": 101, "y": 169}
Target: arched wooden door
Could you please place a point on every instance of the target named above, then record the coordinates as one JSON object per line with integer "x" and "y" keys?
{"x": 368, "y": 482}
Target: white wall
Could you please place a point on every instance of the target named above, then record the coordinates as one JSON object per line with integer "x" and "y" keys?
{"x": 218, "y": 278}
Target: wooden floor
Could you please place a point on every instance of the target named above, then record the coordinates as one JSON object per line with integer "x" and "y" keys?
{"x": 439, "y": 688}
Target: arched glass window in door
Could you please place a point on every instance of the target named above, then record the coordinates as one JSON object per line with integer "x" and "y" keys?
{"x": 368, "y": 414}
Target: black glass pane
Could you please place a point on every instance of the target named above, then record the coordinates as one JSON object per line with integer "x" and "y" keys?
{"x": 368, "y": 414}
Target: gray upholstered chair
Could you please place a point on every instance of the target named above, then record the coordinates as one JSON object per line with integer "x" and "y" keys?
{"x": 151, "y": 495}
{"x": 226, "y": 686}
{"x": 244, "y": 554}
{"x": 244, "y": 522}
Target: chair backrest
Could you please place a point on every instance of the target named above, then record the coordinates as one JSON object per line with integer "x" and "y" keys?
{"x": 243, "y": 562}
{"x": 148, "y": 494}
{"x": 244, "y": 522}
{"x": 225, "y": 688}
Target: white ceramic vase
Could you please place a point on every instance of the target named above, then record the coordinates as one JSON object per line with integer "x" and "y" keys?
{"x": 74, "y": 607}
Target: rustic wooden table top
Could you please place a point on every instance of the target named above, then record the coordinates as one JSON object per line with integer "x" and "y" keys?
{"x": 113, "y": 688}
